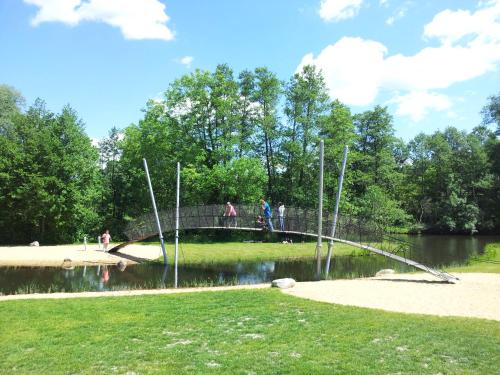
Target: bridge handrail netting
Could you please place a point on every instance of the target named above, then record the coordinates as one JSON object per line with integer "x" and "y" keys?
{"x": 365, "y": 232}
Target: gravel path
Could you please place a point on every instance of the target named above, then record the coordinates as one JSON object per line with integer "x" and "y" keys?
{"x": 475, "y": 295}
{"x": 124, "y": 293}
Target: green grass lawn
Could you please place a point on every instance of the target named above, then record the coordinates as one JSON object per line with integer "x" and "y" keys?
{"x": 231, "y": 252}
{"x": 236, "y": 332}
{"x": 489, "y": 262}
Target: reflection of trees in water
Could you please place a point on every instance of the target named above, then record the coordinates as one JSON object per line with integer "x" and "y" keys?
{"x": 440, "y": 250}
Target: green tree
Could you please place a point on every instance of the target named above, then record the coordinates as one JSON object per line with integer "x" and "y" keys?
{"x": 242, "y": 180}
{"x": 338, "y": 131}
{"x": 377, "y": 207}
{"x": 51, "y": 190}
{"x": 11, "y": 103}
{"x": 451, "y": 180}
{"x": 491, "y": 112}
{"x": 155, "y": 139}
{"x": 202, "y": 110}
{"x": 247, "y": 144}
{"x": 208, "y": 122}
{"x": 10, "y": 155}
{"x": 266, "y": 96}
{"x": 375, "y": 163}
{"x": 307, "y": 108}
{"x": 491, "y": 206}
{"x": 112, "y": 194}
{"x": 418, "y": 200}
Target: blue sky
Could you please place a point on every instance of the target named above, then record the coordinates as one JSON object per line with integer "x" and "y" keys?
{"x": 433, "y": 63}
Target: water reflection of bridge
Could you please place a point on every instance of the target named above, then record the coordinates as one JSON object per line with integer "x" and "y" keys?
{"x": 361, "y": 232}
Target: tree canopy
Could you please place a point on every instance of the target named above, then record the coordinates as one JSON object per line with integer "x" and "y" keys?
{"x": 239, "y": 137}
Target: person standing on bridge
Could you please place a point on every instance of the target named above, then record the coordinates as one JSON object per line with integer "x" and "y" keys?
{"x": 230, "y": 214}
{"x": 266, "y": 209}
{"x": 281, "y": 216}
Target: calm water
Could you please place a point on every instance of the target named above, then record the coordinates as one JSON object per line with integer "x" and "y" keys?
{"x": 434, "y": 251}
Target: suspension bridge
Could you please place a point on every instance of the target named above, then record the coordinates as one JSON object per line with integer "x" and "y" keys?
{"x": 369, "y": 234}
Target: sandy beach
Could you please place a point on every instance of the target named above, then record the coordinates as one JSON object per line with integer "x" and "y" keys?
{"x": 54, "y": 256}
{"x": 474, "y": 295}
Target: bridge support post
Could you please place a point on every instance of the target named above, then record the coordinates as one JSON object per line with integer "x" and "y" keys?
{"x": 336, "y": 211}
{"x": 320, "y": 210}
{"x": 160, "y": 234}
{"x": 176, "y": 254}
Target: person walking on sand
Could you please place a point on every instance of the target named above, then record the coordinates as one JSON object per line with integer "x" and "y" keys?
{"x": 281, "y": 216}
{"x": 106, "y": 239}
{"x": 266, "y": 209}
{"x": 230, "y": 215}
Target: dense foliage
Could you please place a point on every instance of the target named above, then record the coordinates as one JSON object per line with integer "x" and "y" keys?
{"x": 49, "y": 181}
{"x": 239, "y": 138}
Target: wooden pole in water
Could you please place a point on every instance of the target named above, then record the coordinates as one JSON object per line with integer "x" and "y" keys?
{"x": 320, "y": 209}
{"x": 160, "y": 234}
{"x": 176, "y": 256}
{"x": 336, "y": 211}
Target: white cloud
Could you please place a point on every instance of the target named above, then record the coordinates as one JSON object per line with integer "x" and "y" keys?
{"x": 55, "y": 10}
{"x": 352, "y": 69}
{"x": 383, "y": 3}
{"x": 417, "y": 104}
{"x": 450, "y": 27}
{"x": 399, "y": 13}
{"x": 356, "y": 70}
{"x": 136, "y": 19}
{"x": 337, "y": 10}
{"x": 186, "y": 60}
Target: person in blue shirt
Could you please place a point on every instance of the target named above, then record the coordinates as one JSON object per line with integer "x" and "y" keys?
{"x": 266, "y": 209}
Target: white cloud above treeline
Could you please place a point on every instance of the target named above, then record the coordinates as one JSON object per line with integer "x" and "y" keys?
{"x": 337, "y": 10}
{"x": 399, "y": 13}
{"x": 136, "y": 19}
{"x": 186, "y": 60}
{"x": 468, "y": 46}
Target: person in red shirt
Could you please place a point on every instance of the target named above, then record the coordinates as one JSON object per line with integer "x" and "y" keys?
{"x": 106, "y": 239}
{"x": 230, "y": 215}
{"x": 105, "y": 275}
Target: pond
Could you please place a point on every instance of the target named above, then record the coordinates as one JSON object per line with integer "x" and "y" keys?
{"x": 434, "y": 251}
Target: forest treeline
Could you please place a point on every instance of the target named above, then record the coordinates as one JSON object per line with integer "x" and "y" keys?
{"x": 240, "y": 138}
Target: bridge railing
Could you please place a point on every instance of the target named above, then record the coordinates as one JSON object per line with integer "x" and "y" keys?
{"x": 349, "y": 227}
{"x": 359, "y": 230}
{"x": 212, "y": 216}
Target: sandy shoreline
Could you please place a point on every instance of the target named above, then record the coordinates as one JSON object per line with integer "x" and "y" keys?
{"x": 54, "y": 256}
{"x": 474, "y": 295}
